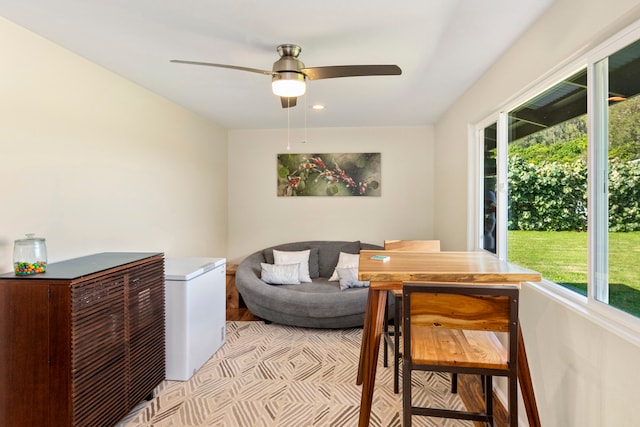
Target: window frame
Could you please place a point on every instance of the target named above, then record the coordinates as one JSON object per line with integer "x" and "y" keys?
{"x": 617, "y": 321}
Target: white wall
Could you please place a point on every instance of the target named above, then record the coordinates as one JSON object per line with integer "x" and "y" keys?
{"x": 94, "y": 163}
{"x": 258, "y": 218}
{"x": 583, "y": 375}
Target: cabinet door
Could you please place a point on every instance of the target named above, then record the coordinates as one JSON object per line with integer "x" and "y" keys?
{"x": 24, "y": 353}
{"x": 145, "y": 326}
{"x": 98, "y": 365}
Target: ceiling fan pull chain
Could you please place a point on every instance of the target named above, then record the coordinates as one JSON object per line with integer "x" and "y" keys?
{"x": 288, "y": 126}
{"x": 305, "y": 118}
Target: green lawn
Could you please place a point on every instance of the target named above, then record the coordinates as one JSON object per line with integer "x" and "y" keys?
{"x": 561, "y": 257}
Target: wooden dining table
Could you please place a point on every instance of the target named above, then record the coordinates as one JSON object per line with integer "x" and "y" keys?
{"x": 435, "y": 267}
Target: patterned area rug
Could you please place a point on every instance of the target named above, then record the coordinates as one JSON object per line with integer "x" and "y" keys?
{"x": 274, "y": 375}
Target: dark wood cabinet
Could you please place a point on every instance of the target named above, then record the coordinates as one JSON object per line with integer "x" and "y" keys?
{"x": 83, "y": 343}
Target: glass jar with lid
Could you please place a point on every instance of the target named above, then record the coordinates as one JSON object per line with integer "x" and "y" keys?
{"x": 29, "y": 255}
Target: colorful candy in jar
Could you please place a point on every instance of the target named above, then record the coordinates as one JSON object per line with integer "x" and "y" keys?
{"x": 26, "y": 268}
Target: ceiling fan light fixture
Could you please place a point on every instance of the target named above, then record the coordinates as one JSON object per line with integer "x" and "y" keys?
{"x": 288, "y": 84}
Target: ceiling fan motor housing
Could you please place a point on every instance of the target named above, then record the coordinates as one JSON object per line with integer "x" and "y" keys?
{"x": 288, "y": 63}
{"x": 289, "y": 68}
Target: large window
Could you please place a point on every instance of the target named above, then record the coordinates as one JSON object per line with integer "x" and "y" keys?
{"x": 547, "y": 181}
{"x": 619, "y": 149}
{"x": 570, "y": 186}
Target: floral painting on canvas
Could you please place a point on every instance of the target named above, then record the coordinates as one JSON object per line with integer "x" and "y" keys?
{"x": 333, "y": 174}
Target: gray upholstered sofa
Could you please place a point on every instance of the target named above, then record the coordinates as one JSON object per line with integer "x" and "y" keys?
{"x": 318, "y": 304}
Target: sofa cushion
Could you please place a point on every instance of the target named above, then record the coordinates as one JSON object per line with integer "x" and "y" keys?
{"x": 293, "y": 257}
{"x": 328, "y": 256}
{"x": 349, "y": 278}
{"x": 314, "y": 267}
{"x": 345, "y": 260}
{"x": 280, "y": 274}
{"x": 314, "y": 271}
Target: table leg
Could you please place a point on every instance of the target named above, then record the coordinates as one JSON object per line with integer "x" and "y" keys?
{"x": 526, "y": 386}
{"x": 369, "y": 351}
{"x": 365, "y": 336}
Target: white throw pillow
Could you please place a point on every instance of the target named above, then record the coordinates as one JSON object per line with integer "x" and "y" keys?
{"x": 292, "y": 257}
{"x": 345, "y": 260}
{"x": 283, "y": 274}
{"x": 349, "y": 278}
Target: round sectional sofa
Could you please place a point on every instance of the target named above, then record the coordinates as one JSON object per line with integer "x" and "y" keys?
{"x": 317, "y": 304}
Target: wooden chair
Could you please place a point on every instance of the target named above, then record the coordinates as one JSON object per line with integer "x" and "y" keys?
{"x": 412, "y": 245}
{"x": 450, "y": 328}
{"x": 390, "y": 339}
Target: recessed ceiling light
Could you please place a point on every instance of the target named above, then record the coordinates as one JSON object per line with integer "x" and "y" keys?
{"x": 317, "y": 107}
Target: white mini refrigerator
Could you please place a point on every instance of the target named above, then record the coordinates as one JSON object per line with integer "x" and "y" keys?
{"x": 195, "y": 293}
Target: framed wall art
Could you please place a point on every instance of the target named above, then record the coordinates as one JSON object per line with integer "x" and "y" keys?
{"x": 332, "y": 174}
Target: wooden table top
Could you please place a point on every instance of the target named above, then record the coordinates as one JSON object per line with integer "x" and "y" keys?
{"x": 446, "y": 267}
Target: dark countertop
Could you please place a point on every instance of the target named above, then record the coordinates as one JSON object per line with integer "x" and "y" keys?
{"x": 83, "y": 266}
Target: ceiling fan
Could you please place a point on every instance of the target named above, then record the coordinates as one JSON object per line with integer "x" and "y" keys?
{"x": 289, "y": 74}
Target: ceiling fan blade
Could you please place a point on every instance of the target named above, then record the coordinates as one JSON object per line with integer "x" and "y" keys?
{"x": 232, "y": 67}
{"x": 288, "y": 102}
{"x": 316, "y": 73}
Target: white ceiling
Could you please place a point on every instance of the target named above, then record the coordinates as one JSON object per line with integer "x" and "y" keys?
{"x": 442, "y": 47}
